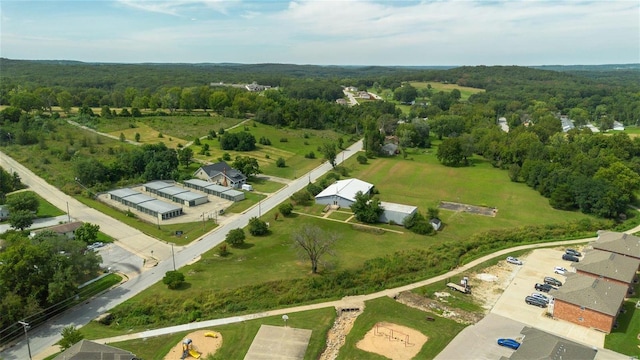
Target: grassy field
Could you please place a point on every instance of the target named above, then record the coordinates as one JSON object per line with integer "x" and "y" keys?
{"x": 45, "y": 208}
{"x": 440, "y": 332}
{"x": 626, "y": 338}
{"x": 236, "y": 338}
{"x": 465, "y": 92}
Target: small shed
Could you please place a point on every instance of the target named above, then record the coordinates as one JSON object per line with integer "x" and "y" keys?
{"x": 396, "y": 213}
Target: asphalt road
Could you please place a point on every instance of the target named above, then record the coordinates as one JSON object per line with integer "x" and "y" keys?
{"x": 134, "y": 241}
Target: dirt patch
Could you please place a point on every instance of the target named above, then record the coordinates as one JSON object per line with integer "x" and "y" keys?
{"x": 438, "y": 307}
{"x": 393, "y": 341}
{"x": 489, "y": 285}
{"x": 205, "y": 345}
{"x": 472, "y": 209}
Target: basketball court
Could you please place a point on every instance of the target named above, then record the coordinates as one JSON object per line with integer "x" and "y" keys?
{"x": 279, "y": 343}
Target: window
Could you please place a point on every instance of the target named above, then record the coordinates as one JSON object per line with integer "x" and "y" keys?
{"x": 582, "y": 308}
{"x": 581, "y": 319}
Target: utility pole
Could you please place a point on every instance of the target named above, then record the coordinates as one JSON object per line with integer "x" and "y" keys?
{"x": 68, "y": 215}
{"x": 173, "y": 257}
{"x": 25, "y": 326}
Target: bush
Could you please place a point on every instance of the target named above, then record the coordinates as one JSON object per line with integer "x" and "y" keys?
{"x": 302, "y": 197}
{"x": 173, "y": 279}
{"x": 196, "y": 141}
{"x": 258, "y": 227}
{"x": 223, "y": 250}
{"x": 280, "y": 162}
{"x": 362, "y": 159}
{"x": 285, "y": 209}
{"x": 310, "y": 155}
{"x": 284, "y": 140}
{"x": 235, "y": 237}
{"x": 70, "y": 336}
{"x": 314, "y": 189}
{"x": 226, "y": 156}
{"x": 264, "y": 141}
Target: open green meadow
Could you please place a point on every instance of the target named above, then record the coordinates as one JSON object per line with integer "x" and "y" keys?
{"x": 626, "y": 338}
{"x": 465, "y": 91}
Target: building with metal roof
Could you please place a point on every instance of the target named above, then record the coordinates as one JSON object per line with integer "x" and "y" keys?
{"x": 619, "y": 243}
{"x": 343, "y": 192}
{"x": 395, "y": 213}
{"x": 175, "y": 193}
{"x": 214, "y": 189}
{"x": 145, "y": 204}
{"x": 588, "y": 301}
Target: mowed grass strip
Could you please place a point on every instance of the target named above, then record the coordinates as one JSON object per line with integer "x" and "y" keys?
{"x": 148, "y": 135}
{"x": 440, "y": 332}
{"x": 465, "y": 91}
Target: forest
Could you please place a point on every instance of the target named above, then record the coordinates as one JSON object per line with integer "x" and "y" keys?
{"x": 596, "y": 173}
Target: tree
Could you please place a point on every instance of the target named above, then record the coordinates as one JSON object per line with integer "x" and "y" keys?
{"x": 26, "y": 201}
{"x": 122, "y": 137}
{"x": 185, "y": 156}
{"x": 280, "y": 162}
{"x": 235, "y": 237}
{"x": 366, "y": 209}
{"x": 285, "y": 209}
{"x": 87, "y": 233}
{"x": 246, "y": 165}
{"x": 313, "y": 243}
{"x": 21, "y": 219}
{"x": 362, "y": 159}
{"x": 137, "y": 137}
{"x": 450, "y": 152}
{"x": 258, "y": 227}
{"x": 330, "y": 153}
{"x": 70, "y": 336}
{"x": 65, "y": 100}
{"x": 173, "y": 279}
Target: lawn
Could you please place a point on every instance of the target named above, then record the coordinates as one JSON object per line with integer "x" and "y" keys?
{"x": 626, "y": 338}
{"x": 45, "y": 208}
{"x": 440, "y": 332}
{"x": 236, "y": 338}
{"x": 266, "y": 186}
{"x": 465, "y": 91}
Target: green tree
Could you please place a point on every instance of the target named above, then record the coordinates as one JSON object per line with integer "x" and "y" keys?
{"x": 285, "y": 209}
{"x": 312, "y": 243}
{"x": 362, "y": 159}
{"x": 25, "y": 200}
{"x": 258, "y": 227}
{"x": 185, "y": 156}
{"x": 280, "y": 162}
{"x": 450, "y": 152}
{"x": 70, "y": 336}
{"x": 366, "y": 209}
{"x": 173, "y": 279}
{"x": 330, "y": 153}
{"x": 122, "y": 137}
{"x": 65, "y": 101}
{"x": 235, "y": 237}
{"x": 137, "y": 137}
{"x": 21, "y": 219}
{"x": 87, "y": 233}
{"x": 246, "y": 165}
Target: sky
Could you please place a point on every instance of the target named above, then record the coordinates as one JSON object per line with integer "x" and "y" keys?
{"x": 322, "y": 32}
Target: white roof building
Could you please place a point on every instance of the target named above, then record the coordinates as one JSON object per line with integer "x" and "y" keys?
{"x": 343, "y": 192}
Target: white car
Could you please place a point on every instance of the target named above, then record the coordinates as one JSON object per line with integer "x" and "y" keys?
{"x": 512, "y": 260}
{"x": 542, "y": 297}
{"x": 560, "y": 270}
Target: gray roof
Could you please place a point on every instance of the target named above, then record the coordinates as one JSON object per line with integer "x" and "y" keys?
{"x": 123, "y": 193}
{"x": 222, "y": 167}
{"x": 609, "y": 265}
{"x": 346, "y": 189}
{"x": 159, "y": 206}
{"x": 62, "y": 228}
{"x": 619, "y": 243}
{"x": 188, "y": 196}
{"x": 172, "y": 190}
{"x": 157, "y": 185}
{"x": 400, "y": 208}
{"x": 89, "y": 350}
{"x": 233, "y": 193}
{"x": 592, "y": 293}
{"x": 198, "y": 182}
{"x": 539, "y": 345}
{"x": 138, "y": 198}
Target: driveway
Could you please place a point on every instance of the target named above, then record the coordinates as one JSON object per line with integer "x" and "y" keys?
{"x": 39, "y": 223}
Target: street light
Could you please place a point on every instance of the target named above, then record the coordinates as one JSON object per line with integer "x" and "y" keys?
{"x": 25, "y": 326}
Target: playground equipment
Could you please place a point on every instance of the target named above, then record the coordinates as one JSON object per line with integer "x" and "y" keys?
{"x": 188, "y": 350}
{"x": 211, "y": 334}
{"x": 392, "y": 334}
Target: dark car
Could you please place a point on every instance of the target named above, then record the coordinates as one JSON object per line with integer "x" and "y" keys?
{"x": 510, "y": 343}
{"x": 535, "y": 301}
{"x": 543, "y": 287}
{"x": 570, "y": 258}
{"x": 573, "y": 252}
{"x": 552, "y": 281}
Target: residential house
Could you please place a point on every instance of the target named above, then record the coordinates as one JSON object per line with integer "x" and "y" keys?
{"x": 609, "y": 266}
{"x": 341, "y": 101}
{"x": 222, "y": 174}
{"x": 364, "y": 95}
{"x": 67, "y": 229}
{"x": 343, "y": 192}
{"x": 89, "y": 350}
{"x": 256, "y": 87}
{"x": 619, "y": 243}
{"x": 588, "y": 301}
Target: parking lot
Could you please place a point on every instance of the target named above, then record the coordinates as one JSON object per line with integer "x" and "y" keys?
{"x": 511, "y": 304}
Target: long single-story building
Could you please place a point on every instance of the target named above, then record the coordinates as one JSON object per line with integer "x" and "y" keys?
{"x": 174, "y": 193}
{"x": 588, "y": 301}
{"x": 396, "y": 213}
{"x": 619, "y": 243}
{"x": 67, "y": 229}
{"x": 222, "y": 174}
{"x": 343, "y": 192}
{"x": 145, "y": 204}
{"x": 214, "y": 189}
{"x": 537, "y": 344}
{"x": 609, "y": 266}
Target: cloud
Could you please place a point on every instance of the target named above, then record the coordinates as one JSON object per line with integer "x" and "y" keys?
{"x": 180, "y": 7}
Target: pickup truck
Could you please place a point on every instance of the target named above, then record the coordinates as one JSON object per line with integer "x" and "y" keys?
{"x": 456, "y": 287}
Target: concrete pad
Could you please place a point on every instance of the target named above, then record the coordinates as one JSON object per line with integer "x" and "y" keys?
{"x": 540, "y": 263}
{"x": 279, "y": 343}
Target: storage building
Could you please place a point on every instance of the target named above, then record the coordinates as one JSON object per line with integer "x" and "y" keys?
{"x": 395, "y": 213}
{"x": 343, "y": 192}
{"x": 214, "y": 189}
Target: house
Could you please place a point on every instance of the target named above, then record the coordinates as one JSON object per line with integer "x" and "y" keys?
{"x": 395, "y": 213}
{"x": 4, "y": 212}
{"x": 351, "y": 88}
{"x": 619, "y": 243}
{"x": 502, "y": 122}
{"x": 222, "y": 174}
{"x": 341, "y": 101}
{"x": 609, "y": 266}
{"x": 588, "y": 301}
{"x": 256, "y": 87}
{"x": 67, "y": 229}
{"x": 364, "y": 95}
{"x": 567, "y": 124}
{"x": 537, "y": 344}
{"x": 343, "y": 192}
{"x": 89, "y": 350}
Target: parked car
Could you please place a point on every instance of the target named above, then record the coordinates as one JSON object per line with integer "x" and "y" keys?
{"x": 535, "y": 301}
{"x": 552, "y": 281}
{"x": 512, "y": 260}
{"x": 544, "y": 298}
{"x": 560, "y": 270}
{"x": 543, "y": 287}
{"x": 573, "y": 252}
{"x": 510, "y": 343}
{"x": 570, "y": 258}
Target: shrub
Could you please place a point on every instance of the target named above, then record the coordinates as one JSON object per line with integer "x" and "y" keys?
{"x": 235, "y": 237}
{"x": 264, "y": 141}
{"x": 285, "y": 209}
{"x": 362, "y": 159}
{"x": 280, "y": 162}
{"x": 196, "y": 141}
{"x": 310, "y": 155}
{"x": 226, "y": 156}
{"x": 223, "y": 250}
{"x": 302, "y": 197}
{"x": 284, "y": 140}
{"x": 314, "y": 189}
{"x": 258, "y": 227}
{"x": 173, "y": 279}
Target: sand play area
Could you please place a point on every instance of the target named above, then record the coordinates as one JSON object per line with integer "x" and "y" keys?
{"x": 393, "y": 341}
{"x": 201, "y": 341}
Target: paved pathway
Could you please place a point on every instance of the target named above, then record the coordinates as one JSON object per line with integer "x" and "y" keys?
{"x": 40, "y": 223}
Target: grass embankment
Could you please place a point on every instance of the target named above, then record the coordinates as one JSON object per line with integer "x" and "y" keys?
{"x": 626, "y": 338}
